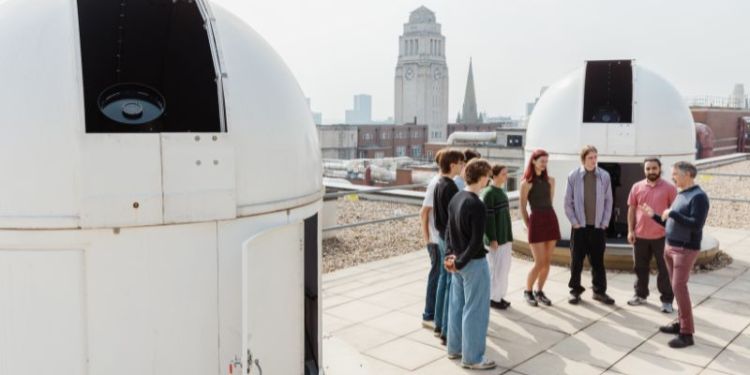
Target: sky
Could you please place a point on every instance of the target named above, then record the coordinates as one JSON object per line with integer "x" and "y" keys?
{"x": 339, "y": 48}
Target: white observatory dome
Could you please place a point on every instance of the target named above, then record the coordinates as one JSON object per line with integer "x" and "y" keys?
{"x": 161, "y": 187}
{"x": 236, "y": 137}
{"x": 628, "y": 112}
{"x": 660, "y": 123}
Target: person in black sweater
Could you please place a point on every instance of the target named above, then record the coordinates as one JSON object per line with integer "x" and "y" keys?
{"x": 469, "y": 311}
{"x": 451, "y": 162}
{"x": 684, "y": 231}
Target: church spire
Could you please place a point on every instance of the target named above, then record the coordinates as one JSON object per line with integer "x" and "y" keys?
{"x": 469, "y": 113}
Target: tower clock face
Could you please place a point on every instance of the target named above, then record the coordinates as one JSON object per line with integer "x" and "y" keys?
{"x": 409, "y": 73}
{"x": 437, "y": 74}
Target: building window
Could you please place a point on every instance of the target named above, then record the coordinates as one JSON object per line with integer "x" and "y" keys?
{"x": 400, "y": 135}
{"x": 515, "y": 141}
{"x": 367, "y": 136}
{"x": 415, "y": 134}
{"x": 379, "y": 154}
{"x": 362, "y": 154}
{"x": 401, "y": 151}
{"x": 383, "y": 135}
{"x": 416, "y": 151}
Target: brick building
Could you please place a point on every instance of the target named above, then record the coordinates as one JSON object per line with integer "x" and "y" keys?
{"x": 729, "y": 127}
{"x": 372, "y": 141}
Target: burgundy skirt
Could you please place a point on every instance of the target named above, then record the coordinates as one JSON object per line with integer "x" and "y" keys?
{"x": 543, "y": 226}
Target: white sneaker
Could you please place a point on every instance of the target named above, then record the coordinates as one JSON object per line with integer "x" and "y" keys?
{"x": 636, "y": 301}
{"x": 454, "y": 355}
{"x": 484, "y": 365}
{"x": 429, "y": 324}
{"x": 666, "y": 308}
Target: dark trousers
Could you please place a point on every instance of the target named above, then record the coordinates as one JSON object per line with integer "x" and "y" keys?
{"x": 587, "y": 242}
{"x": 643, "y": 251}
{"x": 432, "y": 281}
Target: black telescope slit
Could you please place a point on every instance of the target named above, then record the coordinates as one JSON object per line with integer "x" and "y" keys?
{"x": 155, "y": 57}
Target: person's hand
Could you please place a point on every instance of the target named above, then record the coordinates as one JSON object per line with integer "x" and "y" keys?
{"x": 494, "y": 245}
{"x": 450, "y": 263}
{"x": 647, "y": 209}
{"x": 665, "y": 214}
{"x": 576, "y": 226}
{"x": 631, "y": 238}
{"x": 526, "y": 223}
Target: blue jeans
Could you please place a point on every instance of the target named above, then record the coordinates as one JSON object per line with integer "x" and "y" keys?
{"x": 470, "y": 311}
{"x": 432, "y": 281}
{"x": 442, "y": 296}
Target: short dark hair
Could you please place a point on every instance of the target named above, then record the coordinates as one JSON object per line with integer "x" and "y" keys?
{"x": 497, "y": 169}
{"x": 586, "y": 150}
{"x": 687, "y": 168}
{"x": 470, "y": 154}
{"x": 446, "y": 157}
{"x": 475, "y": 169}
{"x": 652, "y": 160}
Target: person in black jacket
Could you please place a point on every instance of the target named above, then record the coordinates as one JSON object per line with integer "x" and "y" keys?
{"x": 684, "y": 222}
{"x": 451, "y": 162}
{"x": 469, "y": 311}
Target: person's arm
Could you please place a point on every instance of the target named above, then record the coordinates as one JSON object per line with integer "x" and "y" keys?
{"x": 490, "y": 229}
{"x": 551, "y": 181}
{"x": 607, "y": 215}
{"x": 631, "y": 224}
{"x": 476, "y": 221}
{"x": 698, "y": 213}
{"x": 523, "y": 198}
{"x": 653, "y": 215}
{"x": 424, "y": 217}
{"x": 632, "y": 208}
{"x": 570, "y": 210}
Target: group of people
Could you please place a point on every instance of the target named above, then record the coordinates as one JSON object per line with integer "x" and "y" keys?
{"x": 466, "y": 225}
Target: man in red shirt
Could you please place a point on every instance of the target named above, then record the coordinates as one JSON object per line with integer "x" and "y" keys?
{"x": 646, "y": 236}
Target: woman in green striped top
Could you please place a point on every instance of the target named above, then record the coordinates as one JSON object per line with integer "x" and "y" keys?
{"x": 498, "y": 236}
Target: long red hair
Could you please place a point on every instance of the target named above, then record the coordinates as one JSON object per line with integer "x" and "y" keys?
{"x": 529, "y": 173}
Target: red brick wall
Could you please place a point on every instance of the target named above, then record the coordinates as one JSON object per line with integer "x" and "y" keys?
{"x": 725, "y": 124}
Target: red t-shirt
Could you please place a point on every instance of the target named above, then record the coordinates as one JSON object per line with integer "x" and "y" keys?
{"x": 659, "y": 197}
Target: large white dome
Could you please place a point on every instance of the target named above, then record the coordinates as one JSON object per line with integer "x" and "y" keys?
{"x": 59, "y": 174}
{"x": 661, "y": 122}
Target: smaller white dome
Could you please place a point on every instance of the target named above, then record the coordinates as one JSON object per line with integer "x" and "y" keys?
{"x": 661, "y": 121}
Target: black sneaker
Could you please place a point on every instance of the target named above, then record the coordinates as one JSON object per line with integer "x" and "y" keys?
{"x": 574, "y": 298}
{"x": 443, "y": 341}
{"x": 681, "y": 341}
{"x": 437, "y": 331}
{"x": 529, "y": 297}
{"x": 541, "y": 298}
{"x": 502, "y": 305}
{"x": 604, "y": 298}
{"x": 673, "y": 328}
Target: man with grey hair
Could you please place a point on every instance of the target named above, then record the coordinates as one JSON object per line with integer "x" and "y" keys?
{"x": 684, "y": 222}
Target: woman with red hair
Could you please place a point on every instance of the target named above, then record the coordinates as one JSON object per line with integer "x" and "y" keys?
{"x": 538, "y": 190}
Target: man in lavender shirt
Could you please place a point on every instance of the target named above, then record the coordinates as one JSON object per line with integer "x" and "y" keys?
{"x": 588, "y": 206}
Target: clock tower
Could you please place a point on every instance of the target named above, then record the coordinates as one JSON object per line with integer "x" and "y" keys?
{"x": 421, "y": 84}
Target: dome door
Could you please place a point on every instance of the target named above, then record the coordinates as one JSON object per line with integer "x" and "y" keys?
{"x": 273, "y": 301}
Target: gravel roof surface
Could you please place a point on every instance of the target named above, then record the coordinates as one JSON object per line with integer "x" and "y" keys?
{"x": 367, "y": 243}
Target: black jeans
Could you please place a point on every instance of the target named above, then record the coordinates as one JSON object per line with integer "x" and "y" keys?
{"x": 432, "y": 280}
{"x": 643, "y": 251}
{"x": 587, "y": 242}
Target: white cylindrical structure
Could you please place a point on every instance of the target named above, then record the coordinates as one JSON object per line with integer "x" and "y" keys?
{"x": 654, "y": 121}
{"x": 471, "y": 137}
{"x": 179, "y": 243}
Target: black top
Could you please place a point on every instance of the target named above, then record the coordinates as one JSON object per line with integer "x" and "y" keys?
{"x": 444, "y": 191}
{"x": 539, "y": 194}
{"x": 687, "y": 216}
{"x": 467, "y": 216}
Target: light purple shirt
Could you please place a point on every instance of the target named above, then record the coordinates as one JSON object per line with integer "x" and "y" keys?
{"x": 574, "y": 209}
